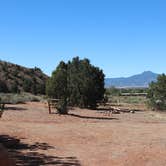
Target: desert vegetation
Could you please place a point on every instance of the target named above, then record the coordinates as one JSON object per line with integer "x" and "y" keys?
{"x": 157, "y": 93}
{"x": 127, "y": 95}
{"x": 76, "y": 83}
{"x": 16, "y": 98}
{"x": 15, "y": 79}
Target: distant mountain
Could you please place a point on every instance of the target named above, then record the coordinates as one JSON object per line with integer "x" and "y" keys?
{"x": 139, "y": 80}
{"x": 15, "y": 78}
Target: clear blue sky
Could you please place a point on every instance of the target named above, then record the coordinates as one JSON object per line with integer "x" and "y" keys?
{"x": 123, "y": 37}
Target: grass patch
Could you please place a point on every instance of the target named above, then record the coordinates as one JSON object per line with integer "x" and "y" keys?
{"x": 11, "y": 98}
{"x": 128, "y": 99}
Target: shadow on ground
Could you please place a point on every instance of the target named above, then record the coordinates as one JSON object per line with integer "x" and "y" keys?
{"x": 14, "y": 108}
{"x": 27, "y": 155}
{"x": 90, "y": 117}
{"x": 103, "y": 109}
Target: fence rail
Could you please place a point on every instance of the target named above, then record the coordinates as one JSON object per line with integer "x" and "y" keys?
{"x": 52, "y": 103}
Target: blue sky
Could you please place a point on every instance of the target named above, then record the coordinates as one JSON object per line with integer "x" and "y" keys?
{"x": 123, "y": 37}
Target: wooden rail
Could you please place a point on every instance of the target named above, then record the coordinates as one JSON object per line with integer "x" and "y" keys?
{"x": 52, "y": 103}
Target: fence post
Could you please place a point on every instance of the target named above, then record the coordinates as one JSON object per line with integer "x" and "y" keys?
{"x": 49, "y": 106}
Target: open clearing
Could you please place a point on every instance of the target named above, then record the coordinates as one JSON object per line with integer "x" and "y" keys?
{"x": 84, "y": 137}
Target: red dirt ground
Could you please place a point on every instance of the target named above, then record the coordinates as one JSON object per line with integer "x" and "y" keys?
{"x": 87, "y": 138}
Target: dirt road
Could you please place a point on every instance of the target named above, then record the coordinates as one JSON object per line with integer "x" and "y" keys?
{"x": 87, "y": 138}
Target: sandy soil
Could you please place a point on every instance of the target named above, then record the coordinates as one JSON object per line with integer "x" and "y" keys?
{"x": 87, "y": 138}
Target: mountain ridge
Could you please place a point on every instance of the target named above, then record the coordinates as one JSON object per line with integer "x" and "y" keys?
{"x": 138, "y": 80}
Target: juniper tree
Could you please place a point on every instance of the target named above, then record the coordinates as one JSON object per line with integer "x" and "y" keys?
{"x": 78, "y": 82}
{"x": 157, "y": 93}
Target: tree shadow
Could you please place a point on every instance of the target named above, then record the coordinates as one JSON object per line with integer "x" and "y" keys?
{"x": 138, "y": 110}
{"x": 27, "y": 155}
{"x": 124, "y": 110}
{"x": 90, "y": 117}
{"x": 14, "y": 108}
{"x": 130, "y": 110}
{"x": 103, "y": 109}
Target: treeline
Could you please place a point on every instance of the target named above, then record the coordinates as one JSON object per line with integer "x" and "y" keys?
{"x": 16, "y": 79}
{"x": 76, "y": 83}
{"x": 122, "y": 91}
{"x": 155, "y": 93}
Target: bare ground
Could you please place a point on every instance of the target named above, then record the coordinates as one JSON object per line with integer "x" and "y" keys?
{"x": 84, "y": 137}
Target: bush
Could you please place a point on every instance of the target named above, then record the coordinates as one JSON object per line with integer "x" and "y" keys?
{"x": 19, "y": 98}
{"x": 112, "y": 91}
{"x": 3, "y": 87}
{"x": 157, "y": 93}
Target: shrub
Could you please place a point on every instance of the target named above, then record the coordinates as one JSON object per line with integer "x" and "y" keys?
{"x": 157, "y": 93}
{"x": 3, "y": 87}
{"x": 18, "y": 98}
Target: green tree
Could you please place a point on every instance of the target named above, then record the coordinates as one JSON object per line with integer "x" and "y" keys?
{"x": 78, "y": 82}
{"x": 113, "y": 91}
{"x": 3, "y": 87}
{"x": 14, "y": 87}
{"x": 85, "y": 83}
{"x": 157, "y": 93}
{"x": 57, "y": 87}
{"x": 27, "y": 83}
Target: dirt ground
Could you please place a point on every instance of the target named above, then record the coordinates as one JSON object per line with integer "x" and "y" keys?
{"x": 85, "y": 137}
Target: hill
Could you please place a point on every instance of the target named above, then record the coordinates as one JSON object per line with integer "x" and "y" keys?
{"x": 15, "y": 78}
{"x": 139, "y": 80}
